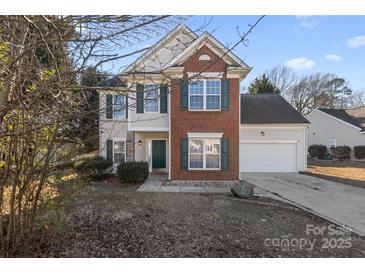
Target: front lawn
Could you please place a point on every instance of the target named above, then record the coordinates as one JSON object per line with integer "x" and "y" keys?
{"x": 341, "y": 171}
{"x": 117, "y": 221}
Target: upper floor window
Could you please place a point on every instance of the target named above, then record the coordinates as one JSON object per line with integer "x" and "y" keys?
{"x": 151, "y": 98}
{"x": 205, "y": 95}
{"x": 119, "y": 106}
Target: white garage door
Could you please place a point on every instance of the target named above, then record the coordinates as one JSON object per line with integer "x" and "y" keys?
{"x": 268, "y": 157}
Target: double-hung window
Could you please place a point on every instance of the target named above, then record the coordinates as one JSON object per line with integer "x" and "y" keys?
{"x": 151, "y": 98}
{"x": 213, "y": 94}
{"x": 204, "y": 153}
{"x": 332, "y": 143}
{"x": 119, "y": 106}
{"x": 205, "y": 95}
{"x": 196, "y": 95}
{"x": 119, "y": 152}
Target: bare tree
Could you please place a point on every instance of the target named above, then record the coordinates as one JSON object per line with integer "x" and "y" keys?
{"x": 42, "y": 60}
{"x": 319, "y": 91}
{"x": 283, "y": 78}
{"x": 355, "y": 100}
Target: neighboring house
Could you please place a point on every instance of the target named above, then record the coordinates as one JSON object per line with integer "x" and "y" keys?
{"x": 337, "y": 127}
{"x": 186, "y": 117}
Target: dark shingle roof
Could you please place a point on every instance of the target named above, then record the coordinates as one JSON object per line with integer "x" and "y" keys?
{"x": 114, "y": 82}
{"x": 268, "y": 109}
{"x": 355, "y": 117}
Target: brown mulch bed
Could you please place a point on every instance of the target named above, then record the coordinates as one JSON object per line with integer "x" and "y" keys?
{"x": 108, "y": 180}
{"x": 117, "y": 221}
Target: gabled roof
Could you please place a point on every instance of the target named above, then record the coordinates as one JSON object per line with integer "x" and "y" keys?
{"x": 215, "y": 45}
{"x": 268, "y": 109}
{"x": 175, "y": 47}
{"x": 355, "y": 117}
{"x": 189, "y": 36}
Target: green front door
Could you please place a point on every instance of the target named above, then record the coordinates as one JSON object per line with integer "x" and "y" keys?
{"x": 158, "y": 154}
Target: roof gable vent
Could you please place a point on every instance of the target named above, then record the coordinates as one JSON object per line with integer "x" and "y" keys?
{"x": 204, "y": 57}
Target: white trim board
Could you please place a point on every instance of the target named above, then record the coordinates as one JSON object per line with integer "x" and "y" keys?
{"x": 287, "y": 126}
{"x": 269, "y": 141}
{"x": 149, "y": 129}
{"x": 205, "y": 135}
{"x": 204, "y": 75}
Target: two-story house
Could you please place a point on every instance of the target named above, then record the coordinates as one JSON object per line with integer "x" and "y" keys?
{"x": 179, "y": 107}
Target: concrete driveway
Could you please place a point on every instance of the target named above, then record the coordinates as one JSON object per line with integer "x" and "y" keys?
{"x": 339, "y": 203}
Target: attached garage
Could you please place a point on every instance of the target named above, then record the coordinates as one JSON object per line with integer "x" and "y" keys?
{"x": 269, "y": 157}
{"x": 272, "y": 135}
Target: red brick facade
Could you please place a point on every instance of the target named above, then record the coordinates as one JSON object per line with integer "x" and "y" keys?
{"x": 184, "y": 121}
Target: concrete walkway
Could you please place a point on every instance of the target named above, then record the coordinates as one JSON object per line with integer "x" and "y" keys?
{"x": 339, "y": 203}
{"x": 155, "y": 184}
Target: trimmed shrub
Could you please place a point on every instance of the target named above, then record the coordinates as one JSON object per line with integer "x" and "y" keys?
{"x": 318, "y": 151}
{"x": 133, "y": 172}
{"x": 328, "y": 156}
{"x": 94, "y": 166}
{"x": 359, "y": 152}
{"x": 341, "y": 152}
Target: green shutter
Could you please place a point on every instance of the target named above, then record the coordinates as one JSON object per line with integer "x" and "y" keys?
{"x": 225, "y": 94}
{"x": 126, "y": 106}
{"x": 140, "y": 98}
{"x": 109, "y": 150}
{"x": 184, "y": 153}
{"x": 224, "y": 153}
{"x": 109, "y": 106}
{"x": 184, "y": 96}
{"x": 163, "y": 99}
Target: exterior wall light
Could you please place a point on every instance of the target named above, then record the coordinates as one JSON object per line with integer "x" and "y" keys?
{"x": 139, "y": 142}
{"x": 262, "y": 133}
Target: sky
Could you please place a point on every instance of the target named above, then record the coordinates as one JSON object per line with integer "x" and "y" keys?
{"x": 308, "y": 44}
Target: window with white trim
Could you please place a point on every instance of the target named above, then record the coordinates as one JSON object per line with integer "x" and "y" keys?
{"x": 331, "y": 143}
{"x": 151, "y": 93}
{"x": 119, "y": 154}
{"x": 205, "y": 95}
{"x": 204, "y": 153}
{"x": 119, "y": 106}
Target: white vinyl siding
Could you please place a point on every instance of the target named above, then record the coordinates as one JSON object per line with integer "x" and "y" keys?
{"x": 325, "y": 127}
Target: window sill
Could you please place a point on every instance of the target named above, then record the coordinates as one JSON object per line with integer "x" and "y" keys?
{"x": 204, "y": 110}
{"x": 204, "y": 169}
